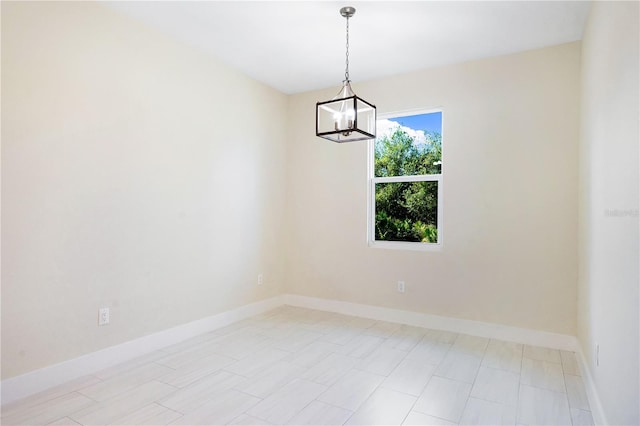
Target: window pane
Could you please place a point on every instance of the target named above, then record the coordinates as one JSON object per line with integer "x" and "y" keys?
{"x": 410, "y": 145}
{"x": 407, "y": 211}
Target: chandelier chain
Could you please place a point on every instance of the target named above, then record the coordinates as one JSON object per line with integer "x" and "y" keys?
{"x": 346, "y": 71}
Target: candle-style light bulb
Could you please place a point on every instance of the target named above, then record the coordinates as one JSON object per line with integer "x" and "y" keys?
{"x": 337, "y": 118}
{"x": 350, "y": 115}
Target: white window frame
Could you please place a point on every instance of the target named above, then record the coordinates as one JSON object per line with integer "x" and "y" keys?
{"x": 371, "y": 192}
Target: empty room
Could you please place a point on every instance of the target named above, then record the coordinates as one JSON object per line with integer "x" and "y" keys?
{"x": 320, "y": 213}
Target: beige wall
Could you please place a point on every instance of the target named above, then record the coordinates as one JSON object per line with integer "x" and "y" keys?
{"x": 609, "y": 276}
{"x": 137, "y": 174}
{"x": 510, "y": 202}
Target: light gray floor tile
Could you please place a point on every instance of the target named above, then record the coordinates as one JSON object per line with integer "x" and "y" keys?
{"x": 581, "y": 417}
{"x": 286, "y": 402}
{"x": 118, "y": 369}
{"x": 542, "y": 407}
{"x": 240, "y": 344}
{"x": 416, "y": 418}
{"x": 382, "y": 361}
{"x": 361, "y": 323}
{"x": 312, "y": 354}
{"x": 120, "y": 406}
{"x": 331, "y": 369}
{"x": 352, "y": 389}
{"x": 503, "y": 356}
{"x": 199, "y": 393}
{"x": 429, "y": 351}
{"x": 124, "y": 382}
{"x": 361, "y": 346}
{"x": 297, "y": 340}
{"x": 152, "y": 414}
{"x": 411, "y": 376}
{"x": 49, "y": 411}
{"x": 325, "y": 326}
{"x": 320, "y": 413}
{"x": 481, "y": 412}
{"x": 277, "y": 332}
{"x": 246, "y": 420}
{"x": 32, "y": 402}
{"x": 405, "y": 338}
{"x": 65, "y": 421}
{"x": 570, "y": 363}
{"x": 271, "y": 379}
{"x": 253, "y": 364}
{"x": 342, "y": 336}
{"x": 542, "y": 374}
{"x": 440, "y": 336}
{"x": 221, "y": 410}
{"x": 459, "y": 366}
{"x": 542, "y": 354}
{"x": 382, "y": 329}
{"x": 196, "y": 370}
{"x": 576, "y": 392}
{"x": 383, "y": 407}
{"x": 497, "y": 386}
{"x": 470, "y": 345}
{"x": 444, "y": 398}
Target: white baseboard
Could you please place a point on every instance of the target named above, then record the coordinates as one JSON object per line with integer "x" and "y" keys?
{"x": 456, "y": 325}
{"x": 599, "y": 417}
{"x": 36, "y": 381}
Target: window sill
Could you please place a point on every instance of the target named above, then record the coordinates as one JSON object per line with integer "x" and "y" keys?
{"x": 403, "y": 245}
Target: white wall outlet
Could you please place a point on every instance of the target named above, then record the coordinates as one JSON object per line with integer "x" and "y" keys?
{"x": 103, "y": 316}
{"x": 400, "y": 286}
{"x": 260, "y": 279}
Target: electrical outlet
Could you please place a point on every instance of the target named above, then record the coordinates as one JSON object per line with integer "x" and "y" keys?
{"x": 103, "y": 316}
{"x": 400, "y": 286}
{"x": 260, "y": 279}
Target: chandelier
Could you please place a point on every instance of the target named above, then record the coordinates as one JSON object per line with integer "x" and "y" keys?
{"x": 346, "y": 117}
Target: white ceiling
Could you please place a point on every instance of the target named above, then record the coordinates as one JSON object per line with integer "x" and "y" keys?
{"x": 298, "y": 46}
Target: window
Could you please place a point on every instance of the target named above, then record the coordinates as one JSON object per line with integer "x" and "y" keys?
{"x": 405, "y": 182}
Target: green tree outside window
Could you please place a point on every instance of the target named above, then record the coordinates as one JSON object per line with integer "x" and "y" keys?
{"x": 407, "y": 211}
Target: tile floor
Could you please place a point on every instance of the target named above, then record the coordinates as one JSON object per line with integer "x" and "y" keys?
{"x": 298, "y": 366}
